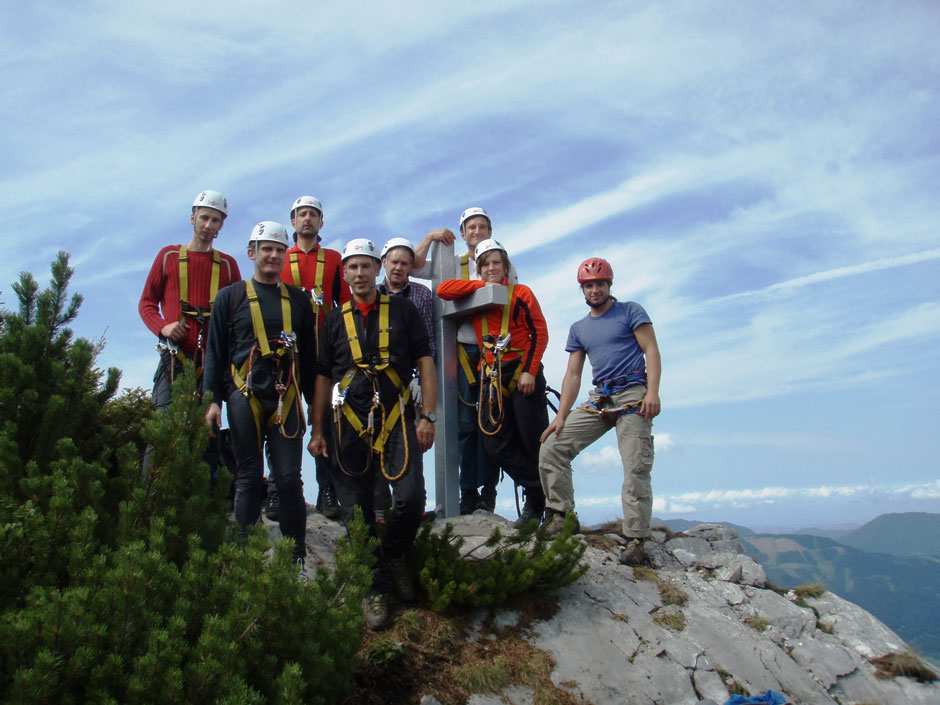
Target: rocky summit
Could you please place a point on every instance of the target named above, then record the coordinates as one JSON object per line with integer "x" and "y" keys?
{"x": 696, "y": 626}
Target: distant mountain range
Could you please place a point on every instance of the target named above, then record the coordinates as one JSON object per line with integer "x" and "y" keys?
{"x": 901, "y": 589}
{"x": 907, "y": 534}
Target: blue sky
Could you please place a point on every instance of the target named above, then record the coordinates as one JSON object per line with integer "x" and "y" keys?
{"x": 762, "y": 177}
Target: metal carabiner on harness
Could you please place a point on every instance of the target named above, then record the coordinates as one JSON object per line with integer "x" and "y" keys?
{"x": 339, "y": 398}
{"x": 317, "y": 298}
{"x": 502, "y": 343}
{"x": 376, "y": 403}
{"x": 287, "y": 339}
{"x": 167, "y": 345}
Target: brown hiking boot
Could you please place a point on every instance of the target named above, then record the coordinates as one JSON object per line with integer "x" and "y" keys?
{"x": 633, "y": 553}
{"x": 375, "y": 610}
{"x": 555, "y": 522}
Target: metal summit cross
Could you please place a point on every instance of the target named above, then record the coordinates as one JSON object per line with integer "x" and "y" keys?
{"x": 447, "y": 315}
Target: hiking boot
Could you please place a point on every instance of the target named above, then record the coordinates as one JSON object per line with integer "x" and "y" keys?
{"x": 329, "y": 505}
{"x": 487, "y": 499}
{"x": 399, "y": 575}
{"x": 469, "y": 499}
{"x": 375, "y": 611}
{"x": 555, "y": 521}
{"x": 532, "y": 509}
{"x": 271, "y": 504}
{"x": 633, "y": 553}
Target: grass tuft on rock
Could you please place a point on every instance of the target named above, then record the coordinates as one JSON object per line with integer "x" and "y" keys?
{"x": 670, "y": 620}
{"x": 758, "y": 624}
{"x": 810, "y": 590}
{"x": 906, "y": 663}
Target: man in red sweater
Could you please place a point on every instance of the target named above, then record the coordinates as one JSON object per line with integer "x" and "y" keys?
{"x": 179, "y": 292}
{"x": 318, "y": 271}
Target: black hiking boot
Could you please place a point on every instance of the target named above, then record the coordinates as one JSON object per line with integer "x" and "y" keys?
{"x": 469, "y": 499}
{"x": 487, "y": 499}
{"x": 329, "y": 505}
{"x": 403, "y": 586}
{"x": 532, "y": 509}
{"x": 271, "y": 504}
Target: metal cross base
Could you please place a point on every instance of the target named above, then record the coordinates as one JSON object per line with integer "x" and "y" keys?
{"x": 447, "y": 316}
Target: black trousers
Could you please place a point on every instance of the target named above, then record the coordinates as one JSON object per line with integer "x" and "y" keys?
{"x": 357, "y": 489}
{"x": 516, "y": 445}
{"x": 284, "y": 462}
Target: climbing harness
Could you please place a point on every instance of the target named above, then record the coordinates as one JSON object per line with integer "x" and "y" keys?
{"x": 170, "y": 352}
{"x": 282, "y": 351}
{"x": 373, "y": 367}
{"x": 197, "y": 314}
{"x": 316, "y": 293}
{"x": 491, "y": 375}
{"x": 605, "y": 392}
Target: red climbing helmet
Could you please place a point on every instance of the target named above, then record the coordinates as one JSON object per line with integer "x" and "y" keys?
{"x": 595, "y": 269}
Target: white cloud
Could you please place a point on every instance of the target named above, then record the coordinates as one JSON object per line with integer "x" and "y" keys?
{"x": 743, "y": 498}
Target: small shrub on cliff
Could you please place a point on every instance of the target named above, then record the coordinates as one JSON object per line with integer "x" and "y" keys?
{"x": 506, "y": 566}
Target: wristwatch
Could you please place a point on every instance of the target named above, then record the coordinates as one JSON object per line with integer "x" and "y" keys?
{"x": 432, "y": 417}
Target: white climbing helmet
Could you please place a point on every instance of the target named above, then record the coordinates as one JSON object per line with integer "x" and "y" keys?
{"x": 487, "y": 246}
{"x": 398, "y": 242}
{"x": 269, "y": 231}
{"x": 311, "y": 201}
{"x": 211, "y": 199}
{"x": 361, "y": 246}
{"x": 470, "y": 212}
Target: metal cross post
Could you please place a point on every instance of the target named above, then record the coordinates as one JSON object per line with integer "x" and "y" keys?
{"x": 446, "y": 318}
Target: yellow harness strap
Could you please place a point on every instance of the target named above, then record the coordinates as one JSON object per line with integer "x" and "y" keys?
{"x": 201, "y": 316}
{"x": 491, "y": 346}
{"x": 465, "y": 267}
{"x": 464, "y": 358}
{"x": 183, "y": 258}
{"x": 242, "y": 375}
{"x": 317, "y": 278}
{"x": 360, "y": 364}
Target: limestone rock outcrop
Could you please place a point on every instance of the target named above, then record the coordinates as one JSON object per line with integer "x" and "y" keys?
{"x": 622, "y": 635}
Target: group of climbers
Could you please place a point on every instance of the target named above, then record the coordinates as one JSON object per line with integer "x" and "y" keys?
{"x": 316, "y": 327}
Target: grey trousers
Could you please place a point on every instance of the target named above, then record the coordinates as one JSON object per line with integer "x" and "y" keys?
{"x": 635, "y": 442}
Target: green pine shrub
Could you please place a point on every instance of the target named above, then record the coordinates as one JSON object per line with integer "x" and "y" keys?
{"x": 524, "y": 560}
{"x": 119, "y": 589}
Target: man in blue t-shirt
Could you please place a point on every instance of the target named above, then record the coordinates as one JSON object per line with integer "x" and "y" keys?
{"x": 619, "y": 341}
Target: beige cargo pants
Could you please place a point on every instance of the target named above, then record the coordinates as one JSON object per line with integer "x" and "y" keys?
{"x": 635, "y": 441}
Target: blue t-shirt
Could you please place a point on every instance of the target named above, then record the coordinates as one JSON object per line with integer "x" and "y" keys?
{"x": 609, "y": 341}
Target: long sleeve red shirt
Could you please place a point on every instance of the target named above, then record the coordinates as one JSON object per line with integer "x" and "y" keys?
{"x": 335, "y": 288}
{"x": 527, "y": 327}
{"x": 160, "y": 300}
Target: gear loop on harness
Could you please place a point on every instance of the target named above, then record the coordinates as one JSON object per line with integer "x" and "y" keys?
{"x": 604, "y": 408}
{"x": 282, "y": 352}
{"x": 372, "y": 366}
